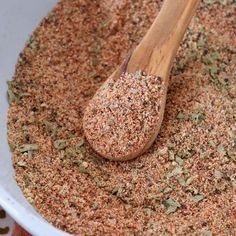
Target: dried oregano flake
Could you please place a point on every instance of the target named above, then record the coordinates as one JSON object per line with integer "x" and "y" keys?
{"x": 217, "y": 174}
{"x": 181, "y": 181}
{"x": 12, "y": 97}
{"x": 207, "y": 233}
{"x": 221, "y": 149}
{"x": 179, "y": 160}
{"x": 171, "y": 205}
{"x": 29, "y": 147}
{"x": 177, "y": 170}
{"x": 50, "y": 129}
{"x": 180, "y": 116}
{"x": 33, "y": 44}
{"x": 197, "y": 117}
{"x": 21, "y": 163}
{"x": 197, "y": 198}
{"x": 60, "y": 144}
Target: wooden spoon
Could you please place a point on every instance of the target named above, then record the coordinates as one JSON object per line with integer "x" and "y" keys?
{"x": 104, "y": 129}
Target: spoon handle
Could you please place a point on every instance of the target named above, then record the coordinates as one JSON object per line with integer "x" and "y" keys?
{"x": 156, "y": 51}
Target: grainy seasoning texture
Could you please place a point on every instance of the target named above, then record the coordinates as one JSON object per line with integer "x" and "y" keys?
{"x": 123, "y": 115}
{"x": 185, "y": 183}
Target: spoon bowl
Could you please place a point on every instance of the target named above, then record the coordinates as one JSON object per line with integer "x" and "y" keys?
{"x": 124, "y": 117}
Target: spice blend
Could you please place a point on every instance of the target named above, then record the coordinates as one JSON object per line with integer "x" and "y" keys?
{"x": 185, "y": 184}
{"x": 123, "y": 116}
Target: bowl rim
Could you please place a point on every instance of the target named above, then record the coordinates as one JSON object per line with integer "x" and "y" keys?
{"x": 35, "y": 225}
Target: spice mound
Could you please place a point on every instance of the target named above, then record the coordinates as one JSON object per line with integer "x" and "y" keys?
{"x": 185, "y": 183}
{"x": 124, "y": 115}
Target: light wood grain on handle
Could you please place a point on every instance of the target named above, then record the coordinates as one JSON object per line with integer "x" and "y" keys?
{"x": 157, "y": 49}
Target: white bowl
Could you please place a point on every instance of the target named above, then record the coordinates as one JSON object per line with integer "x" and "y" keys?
{"x": 18, "y": 18}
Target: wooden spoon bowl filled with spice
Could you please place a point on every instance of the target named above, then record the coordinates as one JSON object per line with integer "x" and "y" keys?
{"x": 124, "y": 117}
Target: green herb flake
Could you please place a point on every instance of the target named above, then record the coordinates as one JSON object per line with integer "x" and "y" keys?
{"x": 21, "y": 164}
{"x": 48, "y": 126}
{"x": 175, "y": 171}
{"x": 171, "y": 205}
{"x": 212, "y": 143}
{"x": 154, "y": 226}
{"x": 11, "y": 84}
{"x": 217, "y": 174}
{"x": 221, "y": 187}
{"x": 207, "y": 233}
{"x": 203, "y": 40}
{"x": 71, "y": 135}
{"x": 197, "y": 198}
{"x": 148, "y": 211}
{"x": 197, "y": 117}
{"x": 64, "y": 189}
{"x": 50, "y": 129}
{"x": 194, "y": 55}
{"x": 179, "y": 160}
{"x": 71, "y": 152}
{"x": 152, "y": 180}
{"x": 33, "y": 44}
{"x": 187, "y": 153}
{"x": 180, "y": 116}
{"x": 171, "y": 155}
{"x": 4, "y": 230}
{"x": 83, "y": 168}
{"x": 151, "y": 196}
{"x": 234, "y": 184}
{"x": 12, "y": 146}
{"x": 80, "y": 150}
{"x": 232, "y": 156}
{"x": 2, "y": 214}
{"x": 207, "y": 60}
{"x": 25, "y": 95}
{"x": 223, "y": 2}
{"x": 114, "y": 191}
{"x": 171, "y": 202}
{"x": 209, "y": 2}
{"x": 171, "y": 145}
{"x": 221, "y": 150}
{"x": 210, "y": 59}
{"x": 167, "y": 190}
{"x": 29, "y": 147}
{"x": 181, "y": 181}
{"x": 60, "y": 144}
{"x": 80, "y": 143}
{"x": 234, "y": 103}
{"x": 171, "y": 209}
{"x": 204, "y": 155}
{"x": 213, "y": 70}
{"x": 99, "y": 181}
{"x": 12, "y": 97}
{"x": 189, "y": 181}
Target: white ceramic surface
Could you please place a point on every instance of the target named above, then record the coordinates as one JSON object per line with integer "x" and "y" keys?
{"x": 18, "y": 18}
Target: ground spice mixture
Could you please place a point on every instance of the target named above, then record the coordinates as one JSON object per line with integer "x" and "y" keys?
{"x": 124, "y": 114}
{"x": 185, "y": 183}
